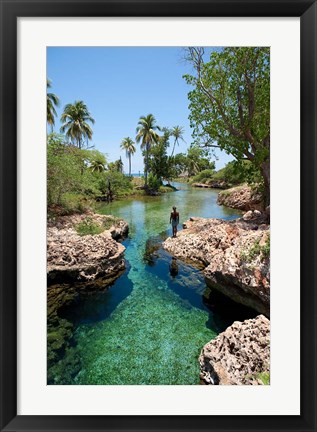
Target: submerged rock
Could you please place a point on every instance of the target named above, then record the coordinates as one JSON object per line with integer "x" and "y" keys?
{"x": 241, "y": 198}
{"x": 235, "y": 256}
{"x": 238, "y": 356}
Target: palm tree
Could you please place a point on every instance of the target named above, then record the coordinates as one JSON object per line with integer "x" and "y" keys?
{"x": 147, "y": 136}
{"x": 119, "y": 164}
{"x": 128, "y": 145}
{"x": 192, "y": 165}
{"x": 74, "y": 119}
{"x": 96, "y": 161}
{"x": 177, "y": 132}
{"x": 52, "y": 101}
{"x": 97, "y": 166}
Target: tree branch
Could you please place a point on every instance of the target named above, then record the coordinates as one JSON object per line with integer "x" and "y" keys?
{"x": 240, "y": 108}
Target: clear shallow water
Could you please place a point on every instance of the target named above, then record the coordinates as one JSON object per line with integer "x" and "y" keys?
{"x": 149, "y": 327}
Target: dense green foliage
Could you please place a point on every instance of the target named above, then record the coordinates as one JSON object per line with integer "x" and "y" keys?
{"x": 194, "y": 161}
{"x": 230, "y": 104}
{"x": 147, "y": 136}
{"x": 154, "y": 182}
{"x": 116, "y": 166}
{"x": 64, "y": 167}
{"x": 120, "y": 184}
{"x": 234, "y": 173}
{"x": 88, "y": 227}
{"x": 159, "y": 162}
{"x": 204, "y": 176}
{"x": 77, "y": 177}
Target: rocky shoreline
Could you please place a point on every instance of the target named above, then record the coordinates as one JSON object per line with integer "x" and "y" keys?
{"x": 72, "y": 257}
{"x": 236, "y": 260}
{"x": 213, "y": 184}
{"x": 235, "y": 256}
{"x": 241, "y": 198}
{"x": 238, "y": 356}
{"x": 78, "y": 266}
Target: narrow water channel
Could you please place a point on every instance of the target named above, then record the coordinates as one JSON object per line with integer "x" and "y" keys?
{"x": 149, "y": 327}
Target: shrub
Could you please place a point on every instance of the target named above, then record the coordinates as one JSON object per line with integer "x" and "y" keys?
{"x": 266, "y": 248}
{"x": 74, "y": 203}
{"x": 109, "y": 222}
{"x": 88, "y": 227}
{"x": 119, "y": 184}
{"x": 235, "y": 173}
{"x": 256, "y": 250}
{"x": 71, "y": 174}
{"x": 264, "y": 377}
{"x": 204, "y": 176}
{"x": 154, "y": 183}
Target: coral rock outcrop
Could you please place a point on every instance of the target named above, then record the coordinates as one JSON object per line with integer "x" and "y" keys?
{"x": 77, "y": 266}
{"x": 213, "y": 184}
{"x": 241, "y": 198}
{"x": 238, "y": 356}
{"x": 235, "y": 256}
{"x": 71, "y": 257}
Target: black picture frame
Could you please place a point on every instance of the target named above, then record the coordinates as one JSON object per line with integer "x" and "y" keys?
{"x": 10, "y": 11}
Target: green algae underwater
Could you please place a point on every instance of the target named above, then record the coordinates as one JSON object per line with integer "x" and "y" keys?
{"x": 150, "y": 325}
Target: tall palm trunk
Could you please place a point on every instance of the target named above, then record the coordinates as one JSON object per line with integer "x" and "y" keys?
{"x": 129, "y": 164}
{"x": 146, "y": 164}
{"x": 173, "y": 148}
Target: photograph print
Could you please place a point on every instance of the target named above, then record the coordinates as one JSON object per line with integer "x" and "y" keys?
{"x": 158, "y": 215}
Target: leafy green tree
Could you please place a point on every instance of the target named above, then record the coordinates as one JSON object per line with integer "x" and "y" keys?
{"x": 96, "y": 161}
{"x": 197, "y": 159}
{"x": 118, "y": 183}
{"x": 192, "y": 166}
{"x": 71, "y": 181}
{"x": 177, "y": 132}
{"x": 178, "y": 165}
{"x": 154, "y": 182}
{"x": 97, "y": 166}
{"x": 159, "y": 162}
{"x": 63, "y": 169}
{"x": 237, "y": 172}
{"x": 74, "y": 121}
{"x": 147, "y": 136}
{"x": 52, "y": 101}
{"x": 116, "y": 166}
{"x": 230, "y": 104}
{"x": 128, "y": 145}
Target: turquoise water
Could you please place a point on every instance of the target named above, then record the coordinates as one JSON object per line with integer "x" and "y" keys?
{"x": 149, "y": 327}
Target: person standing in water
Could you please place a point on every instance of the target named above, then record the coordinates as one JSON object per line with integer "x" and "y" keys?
{"x": 174, "y": 220}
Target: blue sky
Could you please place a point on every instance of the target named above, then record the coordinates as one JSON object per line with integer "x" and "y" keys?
{"x": 120, "y": 84}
